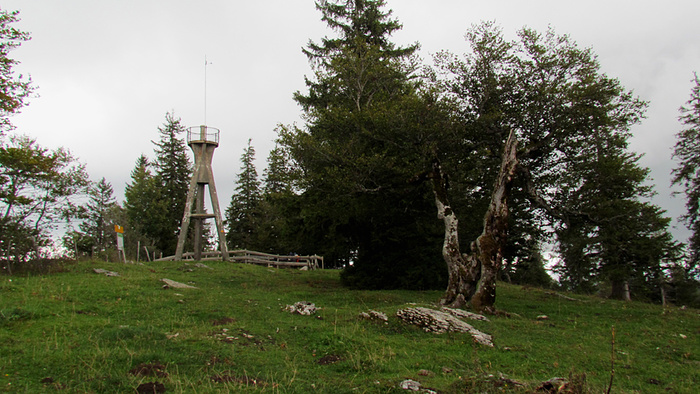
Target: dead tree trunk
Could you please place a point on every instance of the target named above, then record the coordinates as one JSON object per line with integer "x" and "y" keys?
{"x": 472, "y": 277}
{"x": 463, "y": 270}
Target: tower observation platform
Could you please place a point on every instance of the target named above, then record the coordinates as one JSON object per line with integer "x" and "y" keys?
{"x": 202, "y": 140}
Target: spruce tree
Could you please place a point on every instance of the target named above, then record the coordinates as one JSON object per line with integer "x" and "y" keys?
{"x": 243, "y": 212}
{"x": 142, "y": 204}
{"x": 278, "y": 177}
{"x": 357, "y": 153}
{"x": 97, "y": 223}
{"x": 687, "y": 174}
{"x": 173, "y": 171}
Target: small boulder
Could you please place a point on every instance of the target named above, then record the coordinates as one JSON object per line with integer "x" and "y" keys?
{"x": 302, "y": 308}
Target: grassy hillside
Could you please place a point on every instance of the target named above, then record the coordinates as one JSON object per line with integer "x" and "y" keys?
{"x": 78, "y": 331}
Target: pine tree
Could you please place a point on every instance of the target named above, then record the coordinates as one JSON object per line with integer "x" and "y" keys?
{"x": 687, "y": 174}
{"x": 243, "y": 212}
{"x": 173, "y": 171}
{"x": 97, "y": 223}
{"x": 358, "y": 154}
{"x": 626, "y": 241}
{"x": 278, "y": 177}
{"x": 142, "y": 204}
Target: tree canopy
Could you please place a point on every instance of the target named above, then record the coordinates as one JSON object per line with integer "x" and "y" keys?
{"x": 687, "y": 174}
{"x": 243, "y": 213}
{"x": 14, "y": 89}
{"x": 572, "y": 122}
{"x": 363, "y": 108}
{"x": 38, "y": 188}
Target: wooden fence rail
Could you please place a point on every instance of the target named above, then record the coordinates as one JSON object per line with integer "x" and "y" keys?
{"x": 253, "y": 257}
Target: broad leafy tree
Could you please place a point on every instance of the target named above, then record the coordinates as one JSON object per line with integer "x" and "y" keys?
{"x": 14, "y": 89}
{"x": 38, "y": 190}
{"x": 535, "y": 110}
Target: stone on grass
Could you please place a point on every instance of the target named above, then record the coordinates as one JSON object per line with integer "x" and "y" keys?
{"x": 439, "y": 322}
{"x": 374, "y": 315}
{"x": 177, "y": 285}
{"x": 412, "y": 385}
{"x": 302, "y": 308}
{"x": 409, "y": 384}
{"x": 105, "y": 272}
{"x": 464, "y": 314}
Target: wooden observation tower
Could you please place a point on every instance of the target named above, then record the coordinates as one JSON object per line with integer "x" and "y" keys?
{"x": 203, "y": 140}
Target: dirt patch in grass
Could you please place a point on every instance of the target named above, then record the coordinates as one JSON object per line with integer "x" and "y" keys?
{"x": 242, "y": 338}
{"x": 329, "y": 359}
{"x": 49, "y": 381}
{"x": 223, "y": 321}
{"x": 151, "y": 388}
{"x": 149, "y": 369}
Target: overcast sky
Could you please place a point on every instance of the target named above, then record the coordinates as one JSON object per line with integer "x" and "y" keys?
{"x": 107, "y": 71}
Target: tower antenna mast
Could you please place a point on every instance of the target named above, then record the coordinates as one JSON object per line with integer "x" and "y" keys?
{"x": 206, "y": 63}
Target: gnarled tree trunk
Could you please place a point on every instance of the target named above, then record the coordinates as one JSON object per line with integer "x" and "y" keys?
{"x": 472, "y": 276}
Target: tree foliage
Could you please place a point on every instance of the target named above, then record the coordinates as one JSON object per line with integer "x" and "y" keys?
{"x": 99, "y": 218}
{"x": 143, "y": 204}
{"x": 572, "y": 122}
{"x": 687, "y": 174}
{"x": 357, "y": 153}
{"x": 173, "y": 171}
{"x": 38, "y": 187}
{"x": 14, "y": 89}
{"x": 243, "y": 212}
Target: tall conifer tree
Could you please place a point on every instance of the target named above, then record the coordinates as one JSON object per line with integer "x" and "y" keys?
{"x": 97, "y": 224}
{"x": 363, "y": 114}
{"x": 687, "y": 174}
{"x": 243, "y": 212}
{"x": 173, "y": 170}
{"x": 142, "y": 204}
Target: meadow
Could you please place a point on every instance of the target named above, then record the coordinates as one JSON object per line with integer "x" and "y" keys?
{"x": 74, "y": 330}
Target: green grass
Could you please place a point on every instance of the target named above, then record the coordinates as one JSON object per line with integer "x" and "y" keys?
{"x": 80, "y": 332}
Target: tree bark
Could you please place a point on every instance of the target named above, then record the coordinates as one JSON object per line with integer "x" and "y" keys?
{"x": 463, "y": 270}
{"x": 620, "y": 290}
{"x": 472, "y": 277}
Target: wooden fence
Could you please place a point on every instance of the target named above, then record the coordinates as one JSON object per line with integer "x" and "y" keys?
{"x": 252, "y": 257}
{"x": 276, "y": 260}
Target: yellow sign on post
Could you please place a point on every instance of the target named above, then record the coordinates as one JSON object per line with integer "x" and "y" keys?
{"x": 120, "y": 240}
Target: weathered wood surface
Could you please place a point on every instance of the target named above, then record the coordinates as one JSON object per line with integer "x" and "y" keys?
{"x": 472, "y": 276}
{"x": 259, "y": 258}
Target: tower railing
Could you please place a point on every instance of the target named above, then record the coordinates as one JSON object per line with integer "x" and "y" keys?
{"x": 203, "y": 134}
